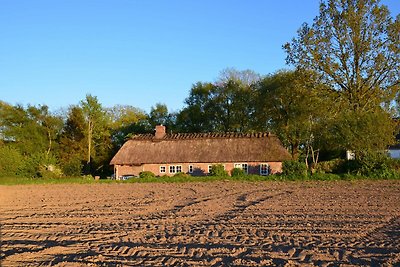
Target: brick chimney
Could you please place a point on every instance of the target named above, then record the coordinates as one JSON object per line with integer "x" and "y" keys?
{"x": 160, "y": 131}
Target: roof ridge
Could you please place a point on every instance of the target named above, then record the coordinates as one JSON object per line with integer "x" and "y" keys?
{"x": 208, "y": 135}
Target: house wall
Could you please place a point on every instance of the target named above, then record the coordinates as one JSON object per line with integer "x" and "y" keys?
{"x": 199, "y": 169}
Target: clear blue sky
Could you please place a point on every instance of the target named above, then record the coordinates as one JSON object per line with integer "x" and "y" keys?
{"x": 139, "y": 53}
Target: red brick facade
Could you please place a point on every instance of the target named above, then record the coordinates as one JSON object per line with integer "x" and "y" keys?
{"x": 197, "y": 169}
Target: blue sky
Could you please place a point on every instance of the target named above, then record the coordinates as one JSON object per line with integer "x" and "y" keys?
{"x": 139, "y": 53}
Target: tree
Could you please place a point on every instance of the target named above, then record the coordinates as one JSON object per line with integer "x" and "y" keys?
{"x": 159, "y": 115}
{"x": 197, "y": 116}
{"x": 354, "y": 45}
{"x": 97, "y": 128}
{"x": 362, "y": 131}
{"x": 126, "y": 120}
{"x": 289, "y": 105}
{"x": 243, "y": 77}
{"x": 234, "y": 96}
{"x": 73, "y": 148}
{"x": 223, "y": 106}
{"x": 51, "y": 124}
{"x": 30, "y": 130}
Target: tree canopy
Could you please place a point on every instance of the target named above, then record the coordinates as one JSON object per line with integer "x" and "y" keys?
{"x": 354, "y": 45}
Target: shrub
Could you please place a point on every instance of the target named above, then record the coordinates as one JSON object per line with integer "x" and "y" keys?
{"x": 11, "y": 161}
{"x": 370, "y": 164}
{"x": 73, "y": 167}
{"x": 218, "y": 170}
{"x": 294, "y": 168}
{"x": 325, "y": 177}
{"x": 330, "y": 166}
{"x": 40, "y": 165}
{"x": 181, "y": 175}
{"x": 237, "y": 172}
{"x": 146, "y": 174}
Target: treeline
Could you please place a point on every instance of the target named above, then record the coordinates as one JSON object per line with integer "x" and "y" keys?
{"x": 340, "y": 96}
{"x": 310, "y": 121}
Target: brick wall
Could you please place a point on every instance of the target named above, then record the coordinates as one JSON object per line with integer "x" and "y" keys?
{"x": 197, "y": 168}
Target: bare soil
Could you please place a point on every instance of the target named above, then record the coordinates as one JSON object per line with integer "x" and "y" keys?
{"x": 201, "y": 224}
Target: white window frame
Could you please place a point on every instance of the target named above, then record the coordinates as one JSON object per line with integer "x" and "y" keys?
{"x": 209, "y": 168}
{"x": 190, "y": 169}
{"x": 264, "y": 172}
{"x": 243, "y": 166}
{"x": 161, "y": 169}
{"x": 178, "y": 168}
{"x": 172, "y": 169}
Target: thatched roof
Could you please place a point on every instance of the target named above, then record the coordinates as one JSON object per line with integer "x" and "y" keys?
{"x": 201, "y": 148}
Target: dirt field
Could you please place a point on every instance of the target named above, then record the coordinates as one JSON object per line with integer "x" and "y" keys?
{"x": 201, "y": 224}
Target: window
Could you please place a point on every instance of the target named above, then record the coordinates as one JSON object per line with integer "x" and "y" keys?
{"x": 264, "y": 169}
{"x": 175, "y": 168}
{"x": 242, "y": 166}
{"x": 163, "y": 169}
{"x": 172, "y": 169}
{"x": 190, "y": 168}
{"x": 179, "y": 168}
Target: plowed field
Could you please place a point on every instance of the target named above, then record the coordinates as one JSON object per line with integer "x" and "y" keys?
{"x": 201, "y": 224}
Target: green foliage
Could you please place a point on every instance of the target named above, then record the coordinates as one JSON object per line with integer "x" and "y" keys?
{"x": 159, "y": 115}
{"x": 331, "y": 166}
{"x": 325, "y": 177}
{"x": 96, "y": 131}
{"x": 362, "y": 130}
{"x": 237, "y": 172}
{"x": 125, "y": 121}
{"x": 218, "y": 170}
{"x": 354, "y": 46}
{"x": 40, "y": 165}
{"x": 224, "y": 106}
{"x": 11, "y": 161}
{"x": 290, "y": 105}
{"x": 294, "y": 168}
{"x": 30, "y": 130}
{"x": 198, "y": 115}
{"x": 73, "y": 167}
{"x": 182, "y": 175}
{"x": 146, "y": 175}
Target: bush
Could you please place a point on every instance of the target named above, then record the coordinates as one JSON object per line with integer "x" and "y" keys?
{"x": 40, "y": 165}
{"x": 370, "y": 164}
{"x": 237, "y": 172}
{"x": 294, "y": 168}
{"x": 146, "y": 175}
{"x": 182, "y": 175}
{"x": 330, "y": 166}
{"x": 325, "y": 177}
{"x": 73, "y": 167}
{"x": 11, "y": 161}
{"x": 218, "y": 170}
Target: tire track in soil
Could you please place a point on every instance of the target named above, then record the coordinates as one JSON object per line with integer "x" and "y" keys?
{"x": 254, "y": 228}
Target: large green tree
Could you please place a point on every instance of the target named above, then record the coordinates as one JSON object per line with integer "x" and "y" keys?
{"x": 73, "y": 148}
{"x": 289, "y": 104}
{"x": 223, "y": 106}
{"x": 197, "y": 115}
{"x": 125, "y": 121}
{"x": 355, "y": 47}
{"x": 30, "y": 130}
{"x": 97, "y": 131}
{"x": 159, "y": 115}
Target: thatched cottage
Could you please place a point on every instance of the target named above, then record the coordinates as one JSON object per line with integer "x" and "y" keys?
{"x": 168, "y": 154}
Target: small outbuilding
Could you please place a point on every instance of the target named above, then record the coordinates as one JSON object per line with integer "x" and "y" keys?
{"x": 195, "y": 153}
